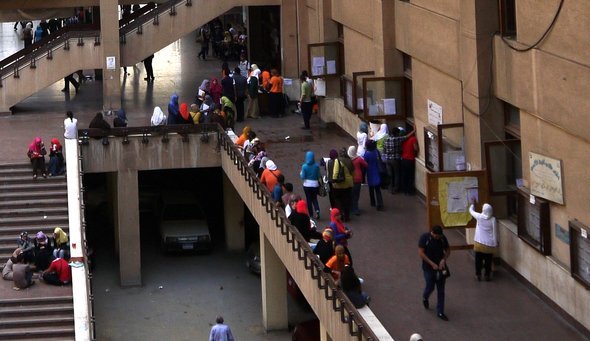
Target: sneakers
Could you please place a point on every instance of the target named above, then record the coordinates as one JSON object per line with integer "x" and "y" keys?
{"x": 442, "y": 316}
{"x": 425, "y": 303}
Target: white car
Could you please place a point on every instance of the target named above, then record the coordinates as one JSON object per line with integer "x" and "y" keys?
{"x": 183, "y": 224}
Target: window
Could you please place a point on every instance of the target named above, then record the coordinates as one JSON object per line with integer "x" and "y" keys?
{"x": 384, "y": 98}
{"x": 357, "y": 90}
{"x": 580, "y": 252}
{"x": 533, "y": 222}
{"x": 507, "y": 18}
{"x": 346, "y": 92}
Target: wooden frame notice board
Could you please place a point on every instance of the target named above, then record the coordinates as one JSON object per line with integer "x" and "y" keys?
{"x": 437, "y": 206}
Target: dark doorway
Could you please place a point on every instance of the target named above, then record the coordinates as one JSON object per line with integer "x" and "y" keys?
{"x": 264, "y": 33}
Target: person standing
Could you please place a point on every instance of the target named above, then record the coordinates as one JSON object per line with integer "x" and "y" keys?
{"x": 342, "y": 182}
{"x": 392, "y": 156}
{"x": 362, "y": 135}
{"x": 360, "y": 165}
{"x": 434, "y": 251}
{"x": 70, "y": 126}
{"x": 205, "y": 37}
{"x": 485, "y": 240}
{"x": 276, "y": 99}
{"x": 310, "y": 174}
{"x": 252, "y": 111}
{"x": 37, "y": 154}
{"x": 220, "y": 331}
{"x": 372, "y": 156}
{"x": 305, "y": 99}
{"x": 228, "y": 86}
{"x": 149, "y": 70}
{"x": 410, "y": 150}
{"x": 28, "y": 34}
{"x": 241, "y": 86}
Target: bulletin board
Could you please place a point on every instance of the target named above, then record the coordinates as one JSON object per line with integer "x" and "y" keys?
{"x": 447, "y": 199}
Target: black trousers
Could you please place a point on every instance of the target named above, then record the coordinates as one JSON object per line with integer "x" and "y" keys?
{"x": 483, "y": 260}
{"x": 70, "y": 79}
{"x": 276, "y": 103}
{"x": 343, "y": 201}
{"x": 306, "y": 113}
{"x": 408, "y": 174}
{"x": 240, "y": 108}
{"x": 149, "y": 70}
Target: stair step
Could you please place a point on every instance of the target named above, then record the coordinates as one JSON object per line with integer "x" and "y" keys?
{"x": 35, "y": 300}
{"x": 38, "y": 333}
{"x": 47, "y": 202}
{"x": 20, "y": 322}
{"x": 34, "y": 186}
{"x": 50, "y": 220}
{"x": 33, "y": 211}
{"x": 35, "y": 310}
{"x": 31, "y": 229}
{"x": 28, "y": 179}
{"x": 33, "y": 195}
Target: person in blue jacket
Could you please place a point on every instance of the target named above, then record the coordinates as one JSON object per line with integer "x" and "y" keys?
{"x": 372, "y": 156}
{"x": 173, "y": 110}
{"x": 310, "y": 174}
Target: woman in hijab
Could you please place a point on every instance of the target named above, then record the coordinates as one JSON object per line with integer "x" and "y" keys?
{"x": 61, "y": 241}
{"x": 300, "y": 219}
{"x": 120, "y": 118}
{"x": 340, "y": 232}
{"x": 310, "y": 174}
{"x": 99, "y": 122}
{"x": 158, "y": 117}
{"x": 229, "y": 109}
{"x": 381, "y": 136}
{"x": 360, "y": 166}
{"x": 202, "y": 92}
{"x": 243, "y": 138}
{"x": 342, "y": 183}
{"x": 173, "y": 110}
{"x": 37, "y": 155}
{"x": 485, "y": 240}
{"x": 361, "y": 138}
{"x": 28, "y": 34}
{"x": 206, "y": 109}
{"x": 56, "y": 158}
{"x": 270, "y": 175}
{"x": 215, "y": 90}
{"x": 185, "y": 117}
{"x": 373, "y": 177}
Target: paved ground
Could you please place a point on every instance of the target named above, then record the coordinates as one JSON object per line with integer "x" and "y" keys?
{"x": 384, "y": 246}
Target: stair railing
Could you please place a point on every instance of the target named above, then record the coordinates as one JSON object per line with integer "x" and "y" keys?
{"x": 44, "y": 48}
{"x": 152, "y": 14}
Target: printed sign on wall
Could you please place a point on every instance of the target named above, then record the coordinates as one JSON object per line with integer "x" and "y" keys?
{"x": 546, "y": 177}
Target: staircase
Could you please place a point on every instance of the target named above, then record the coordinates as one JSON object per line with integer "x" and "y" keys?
{"x": 41, "y": 312}
{"x": 43, "y": 318}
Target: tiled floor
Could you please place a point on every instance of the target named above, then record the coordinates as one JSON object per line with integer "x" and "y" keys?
{"x": 385, "y": 243}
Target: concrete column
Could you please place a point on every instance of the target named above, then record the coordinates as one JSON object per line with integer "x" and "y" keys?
{"x": 233, "y": 208}
{"x": 289, "y": 49}
{"x": 109, "y": 41}
{"x": 324, "y": 336}
{"x": 127, "y": 210}
{"x": 274, "y": 287}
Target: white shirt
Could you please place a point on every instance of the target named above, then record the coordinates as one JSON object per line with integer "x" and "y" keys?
{"x": 70, "y": 128}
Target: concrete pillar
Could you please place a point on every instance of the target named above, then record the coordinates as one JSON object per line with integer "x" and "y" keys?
{"x": 324, "y": 336}
{"x": 289, "y": 49}
{"x": 127, "y": 220}
{"x": 233, "y": 208}
{"x": 109, "y": 41}
{"x": 274, "y": 287}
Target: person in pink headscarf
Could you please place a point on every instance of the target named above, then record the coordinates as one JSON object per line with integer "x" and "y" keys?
{"x": 37, "y": 154}
{"x": 56, "y": 158}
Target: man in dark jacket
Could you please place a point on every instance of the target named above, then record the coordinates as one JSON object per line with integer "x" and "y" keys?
{"x": 241, "y": 86}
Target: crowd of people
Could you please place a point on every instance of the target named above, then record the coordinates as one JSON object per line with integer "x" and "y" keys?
{"x": 43, "y": 257}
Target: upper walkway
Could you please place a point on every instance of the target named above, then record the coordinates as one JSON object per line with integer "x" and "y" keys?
{"x": 384, "y": 246}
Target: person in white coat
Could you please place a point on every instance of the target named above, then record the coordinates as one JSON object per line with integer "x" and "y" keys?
{"x": 486, "y": 240}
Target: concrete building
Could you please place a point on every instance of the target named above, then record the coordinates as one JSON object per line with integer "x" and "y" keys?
{"x": 493, "y": 71}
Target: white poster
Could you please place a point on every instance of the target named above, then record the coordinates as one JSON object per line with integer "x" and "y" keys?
{"x": 331, "y": 65}
{"x": 320, "y": 87}
{"x": 318, "y": 61}
{"x": 546, "y": 177}
{"x": 435, "y": 113}
{"x": 459, "y": 193}
{"x": 389, "y": 106}
{"x": 111, "y": 63}
{"x": 317, "y": 70}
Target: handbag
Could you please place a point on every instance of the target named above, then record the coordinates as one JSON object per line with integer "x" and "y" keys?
{"x": 444, "y": 273}
{"x": 340, "y": 176}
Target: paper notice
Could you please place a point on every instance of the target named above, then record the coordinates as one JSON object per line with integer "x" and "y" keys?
{"x": 331, "y": 65}
{"x": 318, "y": 61}
{"x": 317, "y": 70}
{"x": 389, "y": 106}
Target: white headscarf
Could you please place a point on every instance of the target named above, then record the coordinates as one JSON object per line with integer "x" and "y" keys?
{"x": 270, "y": 165}
{"x": 381, "y": 133}
{"x": 158, "y": 117}
{"x": 254, "y": 73}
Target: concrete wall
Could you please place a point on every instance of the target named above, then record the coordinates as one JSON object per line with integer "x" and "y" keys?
{"x": 153, "y": 155}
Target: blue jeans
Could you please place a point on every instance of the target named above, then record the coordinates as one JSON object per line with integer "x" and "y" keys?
{"x": 430, "y": 278}
{"x": 311, "y": 196}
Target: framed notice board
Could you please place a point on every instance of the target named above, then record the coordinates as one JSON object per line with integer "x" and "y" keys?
{"x": 447, "y": 199}
{"x": 580, "y": 252}
{"x": 533, "y": 221}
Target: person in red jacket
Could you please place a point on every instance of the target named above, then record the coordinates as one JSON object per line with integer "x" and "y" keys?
{"x": 59, "y": 272}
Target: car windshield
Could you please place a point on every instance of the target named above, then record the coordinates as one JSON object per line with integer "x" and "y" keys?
{"x": 182, "y": 212}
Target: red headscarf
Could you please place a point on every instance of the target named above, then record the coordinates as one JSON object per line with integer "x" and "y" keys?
{"x": 302, "y": 207}
{"x": 56, "y": 143}
{"x": 339, "y": 225}
{"x": 184, "y": 111}
{"x": 35, "y": 146}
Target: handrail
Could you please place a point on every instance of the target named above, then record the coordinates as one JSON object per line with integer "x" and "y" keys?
{"x": 358, "y": 327}
{"x": 153, "y": 13}
{"x": 143, "y": 10}
{"x": 43, "y": 45}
